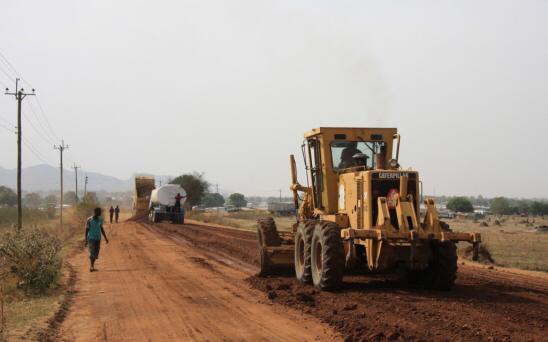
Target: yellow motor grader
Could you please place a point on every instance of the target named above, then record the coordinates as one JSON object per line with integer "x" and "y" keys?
{"x": 360, "y": 209}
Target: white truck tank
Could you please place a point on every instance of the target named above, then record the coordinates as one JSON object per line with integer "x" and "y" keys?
{"x": 165, "y": 195}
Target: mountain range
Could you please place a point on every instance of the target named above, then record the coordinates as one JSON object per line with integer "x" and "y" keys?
{"x": 46, "y": 178}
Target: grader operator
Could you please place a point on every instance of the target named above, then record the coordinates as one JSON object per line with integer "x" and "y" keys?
{"x": 360, "y": 209}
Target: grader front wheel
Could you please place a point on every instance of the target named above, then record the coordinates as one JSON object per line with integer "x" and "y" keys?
{"x": 327, "y": 256}
{"x": 303, "y": 241}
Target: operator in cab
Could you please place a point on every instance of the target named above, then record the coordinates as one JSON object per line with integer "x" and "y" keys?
{"x": 347, "y": 155}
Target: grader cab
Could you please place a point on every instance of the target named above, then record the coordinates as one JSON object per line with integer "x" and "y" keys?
{"x": 360, "y": 209}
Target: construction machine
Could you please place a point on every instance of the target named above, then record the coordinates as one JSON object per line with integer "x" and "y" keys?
{"x": 163, "y": 204}
{"x": 359, "y": 210}
{"x": 141, "y": 195}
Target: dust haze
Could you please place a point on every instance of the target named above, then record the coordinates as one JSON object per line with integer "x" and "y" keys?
{"x": 229, "y": 88}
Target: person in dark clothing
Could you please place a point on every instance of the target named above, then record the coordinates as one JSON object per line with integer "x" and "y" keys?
{"x": 116, "y": 213}
{"x": 94, "y": 229}
{"x": 178, "y": 199}
{"x": 111, "y": 211}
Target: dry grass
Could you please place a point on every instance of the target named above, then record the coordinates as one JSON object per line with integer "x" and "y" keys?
{"x": 512, "y": 244}
{"x": 26, "y": 311}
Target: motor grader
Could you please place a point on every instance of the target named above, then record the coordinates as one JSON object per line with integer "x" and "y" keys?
{"x": 360, "y": 210}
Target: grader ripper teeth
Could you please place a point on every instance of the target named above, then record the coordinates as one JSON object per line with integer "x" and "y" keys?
{"x": 360, "y": 209}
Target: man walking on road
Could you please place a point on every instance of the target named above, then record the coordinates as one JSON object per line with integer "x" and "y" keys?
{"x": 116, "y": 214}
{"x": 94, "y": 229}
{"x": 111, "y": 211}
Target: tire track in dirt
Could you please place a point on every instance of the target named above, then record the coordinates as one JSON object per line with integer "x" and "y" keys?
{"x": 485, "y": 305}
{"x": 153, "y": 288}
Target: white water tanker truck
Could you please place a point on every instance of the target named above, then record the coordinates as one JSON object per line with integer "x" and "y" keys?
{"x": 167, "y": 203}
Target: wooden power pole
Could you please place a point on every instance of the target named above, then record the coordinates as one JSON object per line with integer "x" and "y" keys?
{"x": 19, "y": 96}
{"x": 75, "y": 167}
{"x": 61, "y": 148}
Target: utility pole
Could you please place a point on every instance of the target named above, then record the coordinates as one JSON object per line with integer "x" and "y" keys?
{"x": 217, "y": 187}
{"x": 76, "y": 179}
{"x": 61, "y": 148}
{"x": 85, "y": 187}
{"x": 19, "y": 96}
{"x": 280, "y": 195}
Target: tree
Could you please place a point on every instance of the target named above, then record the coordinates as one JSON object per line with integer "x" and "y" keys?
{"x": 32, "y": 200}
{"x": 195, "y": 186}
{"x": 460, "y": 204}
{"x": 539, "y": 208}
{"x": 70, "y": 198}
{"x": 500, "y": 205}
{"x": 7, "y": 196}
{"x": 237, "y": 200}
{"x": 213, "y": 200}
{"x": 50, "y": 200}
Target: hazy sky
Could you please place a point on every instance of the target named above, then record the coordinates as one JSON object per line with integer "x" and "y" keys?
{"x": 229, "y": 87}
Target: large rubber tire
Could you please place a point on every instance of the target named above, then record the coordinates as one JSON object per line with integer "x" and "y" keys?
{"x": 303, "y": 241}
{"x": 444, "y": 265}
{"x": 442, "y": 271}
{"x": 267, "y": 236}
{"x": 327, "y": 256}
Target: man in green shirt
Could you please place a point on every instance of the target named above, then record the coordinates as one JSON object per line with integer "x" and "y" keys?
{"x": 94, "y": 229}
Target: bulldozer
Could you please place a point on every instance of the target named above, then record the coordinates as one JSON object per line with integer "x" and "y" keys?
{"x": 360, "y": 211}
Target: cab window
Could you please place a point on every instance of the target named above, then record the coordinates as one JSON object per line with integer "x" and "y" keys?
{"x": 347, "y": 154}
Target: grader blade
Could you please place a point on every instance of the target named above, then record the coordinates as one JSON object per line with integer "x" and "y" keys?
{"x": 276, "y": 253}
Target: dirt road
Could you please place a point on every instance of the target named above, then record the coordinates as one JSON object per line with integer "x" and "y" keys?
{"x": 192, "y": 282}
{"x": 485, "y": 305}
{"x": 150, "y": 287}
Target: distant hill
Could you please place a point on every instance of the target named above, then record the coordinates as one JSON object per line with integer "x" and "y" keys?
{"x": 46, "y": 177}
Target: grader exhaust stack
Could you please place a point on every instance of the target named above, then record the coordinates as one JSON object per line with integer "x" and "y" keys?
{"x": 360, "y": 210}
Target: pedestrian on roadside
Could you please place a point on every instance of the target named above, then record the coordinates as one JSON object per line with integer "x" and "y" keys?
{"x": 116, "y": 213}
{"x": 111, "y": 211}
{"x": 94, "y": 229}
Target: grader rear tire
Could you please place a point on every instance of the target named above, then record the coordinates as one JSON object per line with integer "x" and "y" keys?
{"x": 303, "y": 241}
{"x": 444, "y": 267}
{"x": 442, "y": 271}
{"x": 327, "y": 256}
{"x": 267, "y": 236}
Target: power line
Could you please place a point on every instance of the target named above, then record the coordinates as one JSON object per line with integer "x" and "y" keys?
{"x": 13, "y": 69}
{"x": 7, "y": 128}
{"x": 46, "y": 118}
{"x": 7, "y": 122}
{"x": 48, "y": 141}
{"x": 42, "y": 123}
{"x": 32, "y": 149}
{"x": 11, "y": 78}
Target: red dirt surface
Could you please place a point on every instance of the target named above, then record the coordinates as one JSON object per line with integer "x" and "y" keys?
{"x": 155, "y": 287}
{"x": 485, "y": 305}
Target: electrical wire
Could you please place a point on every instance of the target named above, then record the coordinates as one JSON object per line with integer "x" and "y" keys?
{"x": 37, "y": 131}
{"x": 35, "y": 151}
{"x": 11, "y": 130}
{"x": 48, "y": 125}
{"x": 47, "y": 134}
{"x": 3, "y": 57}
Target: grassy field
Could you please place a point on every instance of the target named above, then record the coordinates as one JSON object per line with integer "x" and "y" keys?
{"x": 245, "y": 219}
{"x": 513, "y": 243}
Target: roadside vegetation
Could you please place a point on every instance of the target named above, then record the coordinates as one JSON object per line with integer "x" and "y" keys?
{"x": 33, "y": 276}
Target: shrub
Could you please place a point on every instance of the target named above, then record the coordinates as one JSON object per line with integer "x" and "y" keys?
{"x": 460, "y": 204}
{"x": 33, "y": 257}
